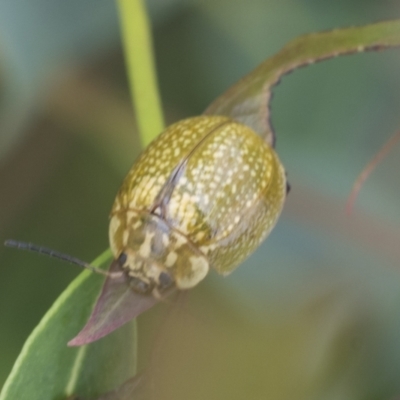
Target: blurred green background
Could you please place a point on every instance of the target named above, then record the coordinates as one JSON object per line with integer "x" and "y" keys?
{"x": 314, "y": 313}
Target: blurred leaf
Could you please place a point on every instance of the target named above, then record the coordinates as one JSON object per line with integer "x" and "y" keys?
{"x": 47, "y": 369}
{"x": 248, "y": 100}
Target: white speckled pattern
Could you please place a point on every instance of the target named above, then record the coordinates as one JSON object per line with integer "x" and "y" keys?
{"x": 212, "y": 181}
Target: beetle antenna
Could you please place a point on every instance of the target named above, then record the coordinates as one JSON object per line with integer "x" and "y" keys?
{"x": 61, "y": 256}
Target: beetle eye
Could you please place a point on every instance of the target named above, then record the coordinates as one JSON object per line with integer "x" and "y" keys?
{"x": 164, "y": 280}
{"x": 122, "y": 259}
{"x": 139, "y": 286}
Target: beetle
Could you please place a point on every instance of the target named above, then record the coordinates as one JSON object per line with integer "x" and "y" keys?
{"x": 203, "y": 195}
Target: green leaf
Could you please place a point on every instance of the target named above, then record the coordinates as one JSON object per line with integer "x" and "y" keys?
{"x": 47, "y": 369}
{"x": 248, "y": 101}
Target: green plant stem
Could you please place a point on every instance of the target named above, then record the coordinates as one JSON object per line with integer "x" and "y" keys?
{"x": 140, "y": 67}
